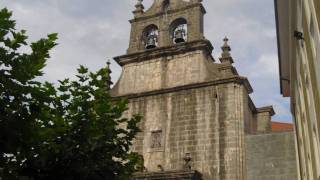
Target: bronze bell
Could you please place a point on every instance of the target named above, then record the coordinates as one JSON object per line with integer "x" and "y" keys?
{"x": 151, "y": 42}
{"x": 179, "y": 36}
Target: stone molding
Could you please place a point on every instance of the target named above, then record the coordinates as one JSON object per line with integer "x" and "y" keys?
{"x": 165, "y": 51}
{"x": 166, "y": 175}
{"x": 268, "y": 109}
{"x": 236, "y": 79}
{"x": 256, "y": 110}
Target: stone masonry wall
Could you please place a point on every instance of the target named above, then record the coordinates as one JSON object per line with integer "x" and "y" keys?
{"x": 271, "y": 156}
{"x": 166, "y": 72}
{"x": 155, "y": 16}
{"x": 206, "y": 122}
{"x": 263, "y": 122}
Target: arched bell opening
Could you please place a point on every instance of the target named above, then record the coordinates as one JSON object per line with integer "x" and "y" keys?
{"x": 179, "y": 31}
{"x": 150, "y": 37}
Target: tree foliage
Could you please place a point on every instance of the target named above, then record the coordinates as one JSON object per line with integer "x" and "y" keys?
{"x": 73, "y": 130}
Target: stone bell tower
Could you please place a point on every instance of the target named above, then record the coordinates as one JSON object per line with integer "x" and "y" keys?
{"x": 195, "y": 111}
{"x": 162, "y": 19}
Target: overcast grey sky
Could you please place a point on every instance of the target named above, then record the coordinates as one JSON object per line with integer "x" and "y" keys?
{"x": 91, "y": 31}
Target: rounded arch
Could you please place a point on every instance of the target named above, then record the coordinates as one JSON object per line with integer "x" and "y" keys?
{"x": 150, "y": 36}
{"x": 179, "y": 30}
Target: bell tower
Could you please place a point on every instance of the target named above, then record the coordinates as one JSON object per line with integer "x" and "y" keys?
{"x": 169, "y": 33}
{"x": 195, "y": 111}
{"x": 166, "y": 23}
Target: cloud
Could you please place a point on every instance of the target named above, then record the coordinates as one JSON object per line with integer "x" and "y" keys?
{"x": 90, "y": 32}
{"x": 82, "y": 40}
{"x": 265, "y": 67}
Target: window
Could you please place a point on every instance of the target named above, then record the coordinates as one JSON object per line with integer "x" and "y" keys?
{"x": 156, "y": 139}
{"x": 150, "y": 37}
{"x": 179, "y": 31}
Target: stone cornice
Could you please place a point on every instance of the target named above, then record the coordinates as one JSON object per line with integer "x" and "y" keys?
{"x": 268, "y": 109}
{"x": 235, "y": 79}
{"x": 188, "y": 175}
{"x": 165, "y": 51}
{"x": 256, "y": 110}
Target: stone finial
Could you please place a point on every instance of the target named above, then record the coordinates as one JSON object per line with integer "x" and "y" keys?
{"x": 226, "y": 56}
{"x": 139, "y": 8}
{"x": 187, "y": 161}
{"x": 108, "y": 76}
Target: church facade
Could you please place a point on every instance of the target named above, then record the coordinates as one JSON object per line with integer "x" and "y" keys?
{"x": 199, "y": 121}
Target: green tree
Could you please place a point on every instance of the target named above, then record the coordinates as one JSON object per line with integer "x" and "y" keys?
{"x": 74, "y": 130}
{"x": 18, "y": 90}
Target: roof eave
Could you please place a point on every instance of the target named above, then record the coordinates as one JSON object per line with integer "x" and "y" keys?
{"x": 284, "y": 64}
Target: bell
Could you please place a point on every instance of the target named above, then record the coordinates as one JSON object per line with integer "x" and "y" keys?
{"x": 179, "y": 36}
{"x": 151, "y": 42}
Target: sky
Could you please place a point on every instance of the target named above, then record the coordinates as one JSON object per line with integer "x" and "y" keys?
{"x": 93, "y": 31}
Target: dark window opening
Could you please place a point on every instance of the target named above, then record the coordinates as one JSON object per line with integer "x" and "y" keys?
{"x": 179, "y": 31}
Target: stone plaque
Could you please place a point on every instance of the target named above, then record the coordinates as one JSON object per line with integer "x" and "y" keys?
{"x": 156, "y": 139}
